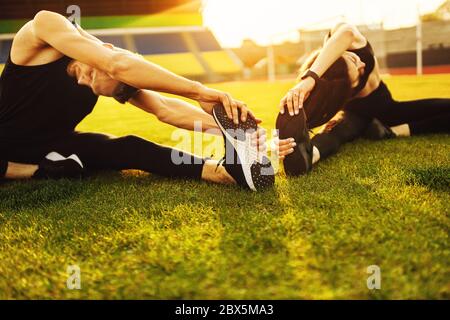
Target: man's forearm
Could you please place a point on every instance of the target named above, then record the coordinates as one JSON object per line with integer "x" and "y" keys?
{"x": 184, "y": 115}
{"x": 172, "y": 111}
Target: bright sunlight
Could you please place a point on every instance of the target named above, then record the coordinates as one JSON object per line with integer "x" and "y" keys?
{"x": 266, "y": 21}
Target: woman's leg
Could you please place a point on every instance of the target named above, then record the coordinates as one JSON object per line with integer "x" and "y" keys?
{"x": 418, "y": 117}
{"x": 437, "y": 124}
{"x": 346, "y": 128}
{"x": 100, "y": 151}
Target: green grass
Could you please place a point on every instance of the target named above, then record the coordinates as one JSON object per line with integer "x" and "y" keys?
{"x": 136, "y": 235}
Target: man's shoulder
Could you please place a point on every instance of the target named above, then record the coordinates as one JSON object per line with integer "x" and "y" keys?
{"x": 28, "y": 49}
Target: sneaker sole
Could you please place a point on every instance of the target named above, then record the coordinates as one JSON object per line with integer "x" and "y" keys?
{"x": 252, "y": 172}
{"x": 298, "y": 162}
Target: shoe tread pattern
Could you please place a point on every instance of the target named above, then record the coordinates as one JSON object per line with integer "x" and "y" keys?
{"x": 300, "y": 161}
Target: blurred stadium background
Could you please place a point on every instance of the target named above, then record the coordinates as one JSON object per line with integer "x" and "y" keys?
{"x": 171, "y": 33}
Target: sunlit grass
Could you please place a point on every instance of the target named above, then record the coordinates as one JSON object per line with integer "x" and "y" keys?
{"x": 140, "y": 236}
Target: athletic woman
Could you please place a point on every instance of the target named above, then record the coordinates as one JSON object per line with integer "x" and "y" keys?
{"x": 342, "y": 81}
{"x": 52, "y": 80}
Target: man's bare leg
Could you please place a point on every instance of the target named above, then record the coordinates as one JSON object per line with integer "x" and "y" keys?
{"x": 217, "y": 174}
{"x": 402, "y": 130}
{"x": 20, "y": 170}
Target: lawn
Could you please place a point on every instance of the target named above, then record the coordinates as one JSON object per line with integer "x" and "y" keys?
{"x": 135, "y": 236}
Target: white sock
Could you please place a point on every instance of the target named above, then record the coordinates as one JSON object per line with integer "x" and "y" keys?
{"x": 316, "y": 155}
{"x": 402, "y": 130}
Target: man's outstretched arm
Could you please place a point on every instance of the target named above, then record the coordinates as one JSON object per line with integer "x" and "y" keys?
{"x": 175, "y": 112}
{"x": 55, "y": 30}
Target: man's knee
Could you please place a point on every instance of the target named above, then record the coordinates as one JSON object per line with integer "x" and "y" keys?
{"x": 132, "y": 141}
{"x": 128, "y": 139}
{"x": 134, "y": 147}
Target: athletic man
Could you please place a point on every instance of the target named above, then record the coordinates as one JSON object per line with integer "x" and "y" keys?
{"x": 52, "y": 80}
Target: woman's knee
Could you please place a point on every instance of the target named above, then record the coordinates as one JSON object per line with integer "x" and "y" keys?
{"x": 326, "y": 144}
{"x": 350, "y": 127}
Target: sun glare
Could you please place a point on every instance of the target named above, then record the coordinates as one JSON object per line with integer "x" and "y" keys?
{"x": 260, "y": 20}
{"x": 266, "y": 21}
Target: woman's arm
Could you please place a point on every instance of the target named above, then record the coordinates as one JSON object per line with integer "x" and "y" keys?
{"x": 176, "y": 112}
{"x": 343, "y": 37}
{"x": 56, "y": 31}
{"x": 360, "y": 40}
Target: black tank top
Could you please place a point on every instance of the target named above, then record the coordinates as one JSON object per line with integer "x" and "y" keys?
{"x": 367, "y": 55}
{"x": 40, "y": 103}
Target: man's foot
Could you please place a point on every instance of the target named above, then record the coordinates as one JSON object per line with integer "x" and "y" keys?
{"x": 55, "y": 166}
{"x": 300, "y": 161}
{"x": 242, "y": 160}
{"x": 378, "y": 131}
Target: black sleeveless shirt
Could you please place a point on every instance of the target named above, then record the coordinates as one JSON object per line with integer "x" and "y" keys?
{"x": 367, "y": 55}
{"x": 40, "y": 103}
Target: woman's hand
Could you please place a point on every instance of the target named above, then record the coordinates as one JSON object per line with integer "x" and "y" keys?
{"x": 209, "y": 97}
{"x": 282, "y": 148}
{"x": 296, "y": 96}
{"x": 285, "y": 147}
